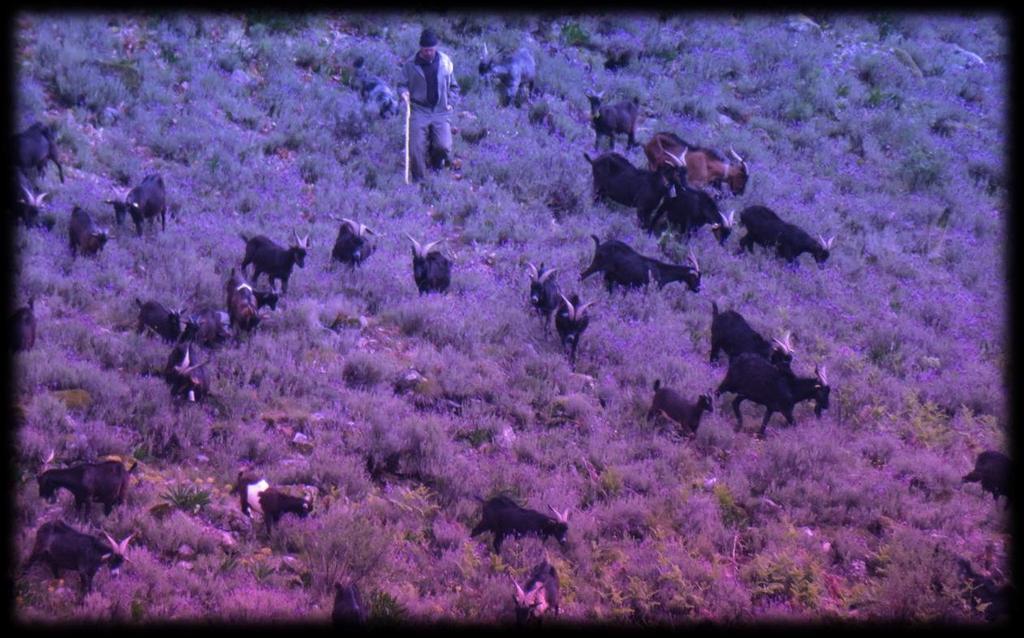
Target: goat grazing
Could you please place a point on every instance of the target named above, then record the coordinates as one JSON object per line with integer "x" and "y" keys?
{"x": 34, "y": 147}
{"x": 267, "y": 257}
{"x": 752, "y": 377}
{"x": 241, "y": 303}
{"x": 994, "y": 471}
{"x": 544, "y": 293}
{"x": 186, "y": 378}
{"x": 623, "y": 265}
{"x": 570, "y": 322}
{"x": 351, "y": 246}
{"x": 430, "y": 269}
{"x": 155, "y": 317}
{"x": 145, "y": 201}
{"x": 61, "y": 547}
{"x": 504, "y": 517}
{"x": 704, "y": 166}
{"x": 675, "y": 407}
{"x": 105, "y": 482}
{"x": 764, "y": 227}
{"x": 540, "y": 594}
{"x": 27, "y": 205}
{"x": 731, "y": 332}
{"x": 618, "y": 180}
{"x": 271, "y": 503}
{"x": 376, "y": 94}
{"x": 349, "y": 610}
{"x": 689, "y": 210}
{"x": 23, "y": 327}
{"x": 613, "y": 119}
{"x": 84, "y": 235}
{"x": 516, "y": 73}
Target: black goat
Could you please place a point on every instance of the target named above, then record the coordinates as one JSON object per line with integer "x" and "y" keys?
{"x": 23, "y": 327}
{"x": 349, "y": 610}
{"x": 689, "y": 210}
{"x": 146, "y": 201}
{"x": 267, "y": 257}
{"x": 540, "y": 594}
{"x": 267, "y": 501}
{"x": 613, "y": 119}
{"x": 266, "y": 299}
{"x": 752, "y": 377}
{"x": 677, "y": 408}
{"x": 351, "y": 246}
{"x": 430, "y": 269}
{"x": 158, "y": 319}
{"x": 994, "y": 471}
{"x": 504, "y": 518}
{"x": 84, "y": 235}
{"x": 516, "y": 72}
{"x": 731, "y": 332}
{"x": 241, "y": 304}
{"x": 377, "y": 95}
{"x": 544, "y": 293}
{"x": 61, "y": 547}
{"x": 623, "y": 265}
{"x": 105, "y": 482}
{"x": 648, "y": 191}
{"x": 34, "y": 147}
{"x": 27, "y": 205}
{"x": 570, "y": 322}
{"x": 186, "y": 378}
{"x": 764, "y": 227}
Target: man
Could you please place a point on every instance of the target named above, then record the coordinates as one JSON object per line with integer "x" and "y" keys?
{"x": 429, "y": 82}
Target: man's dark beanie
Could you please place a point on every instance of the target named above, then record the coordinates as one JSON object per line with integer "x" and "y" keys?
{"x": 428, "y": 38}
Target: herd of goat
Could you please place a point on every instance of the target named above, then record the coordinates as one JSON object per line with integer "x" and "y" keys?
{"x": 669, "y": 193}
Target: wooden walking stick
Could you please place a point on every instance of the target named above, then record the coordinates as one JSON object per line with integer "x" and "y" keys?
{"x": 408, "y": 116}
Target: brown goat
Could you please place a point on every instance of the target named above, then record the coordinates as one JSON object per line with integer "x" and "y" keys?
{"x": 241, "y": 302}
{"x": 677, "y": 408}
{"x": 704, "y": 166}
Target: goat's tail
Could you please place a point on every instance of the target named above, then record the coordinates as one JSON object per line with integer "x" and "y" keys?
{"x": 657, "y": 384}
{"x": 714, "y": 309}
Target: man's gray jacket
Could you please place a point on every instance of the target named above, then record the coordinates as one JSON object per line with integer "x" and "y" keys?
{"x": 416, "y": 83}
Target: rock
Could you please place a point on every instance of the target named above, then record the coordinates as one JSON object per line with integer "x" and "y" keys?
{"x": 826, "y": 546}
{"x": 185, "y": 552}
{"x": 293, "y": 564}
{"x": 227, "y": 541}
{"x": 725, "y": 120}
{"x": 202, "y": 458}
{"x": 409, "y": 380}
{"x": 931, "y": 362}
{"x": 802, "y": 24}
{"x": 907, "y": 61}
{"x": 184, "y": 564}
{"x": 302, "y": 442}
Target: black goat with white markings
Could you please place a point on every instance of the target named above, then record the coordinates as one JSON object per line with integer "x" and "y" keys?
{"x": 148, "y": 200}
{"x": 271, "y": 503}
{"x": 570, "y": 322}
{"x": 351, "y": 247}
{"x": 61, "y": 547}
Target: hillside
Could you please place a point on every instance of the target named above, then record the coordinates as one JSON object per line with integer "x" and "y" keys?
{"x": 885, "y": 130}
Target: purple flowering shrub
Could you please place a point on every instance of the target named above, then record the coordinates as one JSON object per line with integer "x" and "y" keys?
{"x": 397, "y": 412}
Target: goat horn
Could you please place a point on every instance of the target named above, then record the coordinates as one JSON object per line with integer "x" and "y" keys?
{"x": 572, "y": 311}
{"x": 123, "y": 545}
{"x": 533, "y": 270}
{"x": 579, "y": 311}
{"x": 693, "y": 259}
{"x": 821, "y": 374}
{"x": 730, "y": 219}
{"x": 363, "y": 229}
{"x": 547, "y": 275}
{"x": 828, "y": 244}
{"x": 785, "y": 343}
{"x": 305, "y": 240}
{"x": 113, "y": 543}
{"x": 49, "y": 459}
{"x": 734, "y": 154}
{"x": 415, "y": 245}
{"x": 676, "y": 160}
{"x": 430, "y": 246}
{"x": 351, "y": 224}
{"x": 519, "y": 590}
